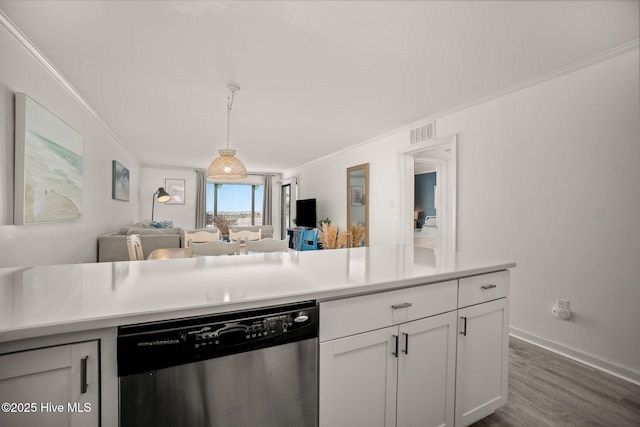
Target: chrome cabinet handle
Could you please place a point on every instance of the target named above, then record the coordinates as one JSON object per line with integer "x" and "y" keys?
{"x": 403, "y": 305}
{"x": 485, "y": 287}
{"x": 406, "y": 343}
{"x": 395, "y": 345}
{"x": 83, "y": 375}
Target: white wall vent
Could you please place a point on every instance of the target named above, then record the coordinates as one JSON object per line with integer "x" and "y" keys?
{"x": 423, "y": 133}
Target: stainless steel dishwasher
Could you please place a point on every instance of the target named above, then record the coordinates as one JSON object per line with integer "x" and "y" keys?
{"x": 250, "y": 368}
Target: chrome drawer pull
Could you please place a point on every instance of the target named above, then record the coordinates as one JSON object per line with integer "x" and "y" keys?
{"x": 403, "y": 305}
{"x": 485, "y": 287}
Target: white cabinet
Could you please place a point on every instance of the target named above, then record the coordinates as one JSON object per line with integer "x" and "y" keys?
{"x": 363, "y": 377}
{"x": 481, "y": 380}
{"x": 434, "y": 355}
{"x": 52, "y": 386}
{"x": 400, "y": 375}
{"x": 358, "y": 380}
{"x": 426, "y": 372}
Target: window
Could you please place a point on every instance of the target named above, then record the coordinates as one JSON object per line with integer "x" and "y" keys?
{"x": 240, "y": 204}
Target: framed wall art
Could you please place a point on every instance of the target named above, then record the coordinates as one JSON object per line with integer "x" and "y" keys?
{"x": 48, "y": 166}
{"x": 175, "y": 188}
{"x": 119, "y": 182}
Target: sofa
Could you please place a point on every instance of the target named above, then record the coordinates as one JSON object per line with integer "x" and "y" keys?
{"x": 113, "y": 246}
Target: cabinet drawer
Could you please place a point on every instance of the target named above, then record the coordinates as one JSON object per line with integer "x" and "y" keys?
{"x": 354, "y": 315}
{"x": 486, "y": 287}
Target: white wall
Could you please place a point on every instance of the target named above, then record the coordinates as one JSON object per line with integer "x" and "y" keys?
{"x": 326, "y": 181}
{"x": 548, "y": 177}
{"x": 182, "y": 215}
{"x": 62, "y": 242}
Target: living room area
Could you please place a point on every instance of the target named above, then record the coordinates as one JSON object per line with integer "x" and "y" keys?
{"x": 538, "y": 104}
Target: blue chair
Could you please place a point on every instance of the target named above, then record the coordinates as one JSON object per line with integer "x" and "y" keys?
{"x": 309, "y": 240}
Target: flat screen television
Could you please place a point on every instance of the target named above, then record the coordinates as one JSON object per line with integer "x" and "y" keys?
{"x": 306, "y": 213}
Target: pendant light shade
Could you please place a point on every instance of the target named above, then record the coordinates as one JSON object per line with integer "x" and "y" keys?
{"x": 227, "y": 166}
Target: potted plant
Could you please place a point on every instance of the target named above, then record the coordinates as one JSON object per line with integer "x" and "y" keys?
{"x": 324, "y": 221}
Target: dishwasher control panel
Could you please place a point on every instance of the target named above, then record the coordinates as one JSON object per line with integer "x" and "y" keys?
{"x": 150, "y": 346}
{"x": 238, "y": 331}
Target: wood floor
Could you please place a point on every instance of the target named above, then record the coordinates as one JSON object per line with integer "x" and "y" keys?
{"x": 546, "y": 389}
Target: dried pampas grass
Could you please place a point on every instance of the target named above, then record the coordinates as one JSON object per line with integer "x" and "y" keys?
{"x": 328, "y": 235}
{"x": 331, "y": 239}
{"x": 344, "y": 240}
{"x": 357, "y": 234}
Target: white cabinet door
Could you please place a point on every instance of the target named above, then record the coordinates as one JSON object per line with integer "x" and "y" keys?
{"x": 426, "y": 372}
{"x": 358, "y": 380}
{"x": 53, "y": 386}
{"x": 482, "y": 360}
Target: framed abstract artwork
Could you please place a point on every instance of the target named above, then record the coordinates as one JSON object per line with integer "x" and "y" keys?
{"x": 48, "y": 166}
{"x": 175, "y": 188}
{"x": 119, "y": 182}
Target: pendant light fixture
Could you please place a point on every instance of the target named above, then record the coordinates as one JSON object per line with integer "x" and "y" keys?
{"x": 227, "y": 166}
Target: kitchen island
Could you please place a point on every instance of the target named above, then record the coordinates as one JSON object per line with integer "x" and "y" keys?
{"x": 61, "y": 305}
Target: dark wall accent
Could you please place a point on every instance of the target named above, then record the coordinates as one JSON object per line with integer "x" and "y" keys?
{"x": 425, "y": 196}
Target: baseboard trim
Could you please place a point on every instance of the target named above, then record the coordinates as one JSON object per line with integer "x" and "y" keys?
{"x": 578, "y": 356}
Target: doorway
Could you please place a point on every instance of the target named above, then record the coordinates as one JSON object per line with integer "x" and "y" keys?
{"x": 441, "y": 155}
{"x": 425, "y": 208}
{"x": 285, "y": 209}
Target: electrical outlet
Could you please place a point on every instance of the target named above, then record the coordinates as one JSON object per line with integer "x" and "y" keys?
{"x": 562, "y": 304}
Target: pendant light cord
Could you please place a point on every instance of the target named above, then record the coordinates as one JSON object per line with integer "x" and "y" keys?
{"x": 229, "y": 105}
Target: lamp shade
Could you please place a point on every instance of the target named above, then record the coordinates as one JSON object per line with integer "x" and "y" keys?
{"x": 227, "y": 166}
{"x": 163, "y": 196}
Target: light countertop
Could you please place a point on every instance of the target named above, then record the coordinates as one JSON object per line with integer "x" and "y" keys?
{"x": 47, "y": 300}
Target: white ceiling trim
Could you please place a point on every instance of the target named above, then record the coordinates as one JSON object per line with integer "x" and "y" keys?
{"x": 594, "y": 59}
{"x": 40, "y": 57}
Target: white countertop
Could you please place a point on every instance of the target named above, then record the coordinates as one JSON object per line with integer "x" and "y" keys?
{"x": 47, "y": 300}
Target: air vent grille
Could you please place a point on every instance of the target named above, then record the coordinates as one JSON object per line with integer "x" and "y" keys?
{"x": 423, "y": 133}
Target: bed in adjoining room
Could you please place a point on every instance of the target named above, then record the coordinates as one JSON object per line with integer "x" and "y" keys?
{"x": 425, "y": 237}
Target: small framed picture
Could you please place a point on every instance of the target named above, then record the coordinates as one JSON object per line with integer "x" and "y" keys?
{"x": 175, "y": 188}
{"x": 357, "y": 196}
{"x": 119, "y": 181}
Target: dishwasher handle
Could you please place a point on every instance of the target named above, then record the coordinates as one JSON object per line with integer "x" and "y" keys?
{"x": 231, "y": 328}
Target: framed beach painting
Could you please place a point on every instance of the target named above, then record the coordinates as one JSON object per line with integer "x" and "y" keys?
{"x": 119, "y": 181}
{"x": 48, "y": 166}
{"x": 175, "y": 188}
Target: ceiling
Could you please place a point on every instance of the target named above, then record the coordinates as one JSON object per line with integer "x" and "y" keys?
{"x": 315, "y": 76}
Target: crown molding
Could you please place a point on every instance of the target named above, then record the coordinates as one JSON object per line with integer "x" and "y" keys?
{"x": 44, "y": 61}
{"x": 553, "y": 74}
{"x": 594, "y": 59}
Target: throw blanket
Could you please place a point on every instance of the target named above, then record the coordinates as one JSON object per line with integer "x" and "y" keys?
{"x": 161, "y": 224}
